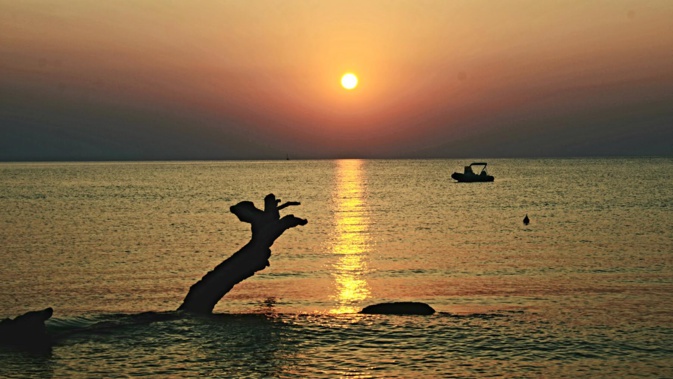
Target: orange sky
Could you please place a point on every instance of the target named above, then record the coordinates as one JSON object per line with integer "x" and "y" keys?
{"x": 263, "y": 77}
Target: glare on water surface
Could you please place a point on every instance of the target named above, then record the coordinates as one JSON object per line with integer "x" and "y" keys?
{"x": 583, "y": 289}
{"x": 350, "y": 237}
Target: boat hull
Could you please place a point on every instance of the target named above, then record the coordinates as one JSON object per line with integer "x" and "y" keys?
{"x": 460, "y": 177}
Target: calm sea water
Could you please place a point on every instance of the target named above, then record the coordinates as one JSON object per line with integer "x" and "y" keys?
{"x": 584, "y": 290}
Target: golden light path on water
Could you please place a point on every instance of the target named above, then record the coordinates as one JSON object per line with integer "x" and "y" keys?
{"x": 351, "y": 239}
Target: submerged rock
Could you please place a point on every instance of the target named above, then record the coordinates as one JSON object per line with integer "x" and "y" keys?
{"x": 399, "y": 308}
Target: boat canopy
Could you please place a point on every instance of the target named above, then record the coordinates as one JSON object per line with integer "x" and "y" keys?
{"x": 478, "y": 164}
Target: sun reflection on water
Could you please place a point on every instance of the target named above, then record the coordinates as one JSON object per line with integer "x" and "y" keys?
{"x": 351, "y": 238}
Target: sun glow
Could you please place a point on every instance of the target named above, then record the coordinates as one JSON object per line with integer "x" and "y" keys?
{"x": 351, "y": 239}
{"x": 349, "y": 81}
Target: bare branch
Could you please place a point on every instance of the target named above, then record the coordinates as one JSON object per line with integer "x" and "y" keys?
{"x": 267, "y": 226}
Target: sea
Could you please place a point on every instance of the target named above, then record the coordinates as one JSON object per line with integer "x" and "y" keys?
{"x": 584, "y": 290}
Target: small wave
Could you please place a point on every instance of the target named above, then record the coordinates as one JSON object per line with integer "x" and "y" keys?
{"x": 483, "y": 316}
{"x": 100, "y": 324}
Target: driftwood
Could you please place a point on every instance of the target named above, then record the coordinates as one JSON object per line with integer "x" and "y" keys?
{"x": 27, "y": 331}
{"x": 267, "y": 226}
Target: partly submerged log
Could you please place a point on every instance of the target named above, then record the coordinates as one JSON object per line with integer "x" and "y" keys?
{"x": 267, "y": 226}
{"x": 399, "y": 308}
{"x": 27, "y": 331}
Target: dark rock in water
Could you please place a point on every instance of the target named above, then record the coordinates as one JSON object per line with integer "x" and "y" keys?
{"x": 26, "y": 331}
{"x": 399, "y": 308}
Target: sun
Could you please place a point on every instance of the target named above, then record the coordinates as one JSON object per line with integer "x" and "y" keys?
{"x": 349, "y": 80}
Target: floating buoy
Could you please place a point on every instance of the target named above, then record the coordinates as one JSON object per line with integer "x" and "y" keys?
{"x": 526, "y": 220}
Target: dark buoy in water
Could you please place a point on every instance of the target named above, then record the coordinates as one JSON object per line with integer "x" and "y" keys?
{"x": 526, "y": 220}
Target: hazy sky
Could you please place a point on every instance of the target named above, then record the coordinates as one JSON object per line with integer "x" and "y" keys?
{"x": 211, "y": 79}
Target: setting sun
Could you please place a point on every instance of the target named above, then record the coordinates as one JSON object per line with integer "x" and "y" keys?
{"x": 349, "y": 81}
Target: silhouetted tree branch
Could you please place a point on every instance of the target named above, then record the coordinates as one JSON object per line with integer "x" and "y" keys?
{"x": 267, "y": 226}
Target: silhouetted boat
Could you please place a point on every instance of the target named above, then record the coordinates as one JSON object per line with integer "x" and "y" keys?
{"x": 469, "y": 176}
